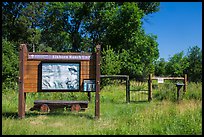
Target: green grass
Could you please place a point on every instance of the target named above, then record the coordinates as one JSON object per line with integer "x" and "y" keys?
{"x": 159, "y": 117}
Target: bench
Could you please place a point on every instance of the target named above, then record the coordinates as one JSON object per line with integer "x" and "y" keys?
{"x": 49, "y": 105}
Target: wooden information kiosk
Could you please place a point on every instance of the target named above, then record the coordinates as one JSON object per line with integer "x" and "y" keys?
{"x": 58, "y": 72}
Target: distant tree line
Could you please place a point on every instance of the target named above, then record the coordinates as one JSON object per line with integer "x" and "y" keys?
{"x": 79, "y": 27}
{"x": 178, "y": 64}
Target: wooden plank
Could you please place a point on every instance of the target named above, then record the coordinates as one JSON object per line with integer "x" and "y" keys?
{"x": 30, "y": 85}
{"x": 27, "y": 77}
{"x": 59, "y": 102}
{"x": 32, "y": 68}
{"x": 87, "y": 66}
{"x": 30, "y": 90}
{"x": 88, "y": 72}
{"x": 93, "y": 74}
{"x": 168, "y": 78}
{"x": 31, "y": 73}
{"x": 88, "y": 63}
{"x": 88, "y": 77}
{"x": 33, "y": 63}
{"x": 32, "y": 81}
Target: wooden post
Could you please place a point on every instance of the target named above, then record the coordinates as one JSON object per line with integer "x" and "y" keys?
{"x": 127, "y": 90}
{"x": 98, "y": 73}
{"x": 185, "y": 83}
{"x": 178, "y": 94}
{"x": 89, "y": 96}
{"x": 22, "y": 94}
{"x": 150, "y": 87}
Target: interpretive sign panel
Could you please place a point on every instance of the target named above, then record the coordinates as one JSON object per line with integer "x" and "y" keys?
{"x": 63, "y": 76}
{"x": 89, "y": 85}
{"x": 160, "y": 80}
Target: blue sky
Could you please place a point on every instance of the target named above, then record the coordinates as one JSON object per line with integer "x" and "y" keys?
{"x": 178, "y": 26}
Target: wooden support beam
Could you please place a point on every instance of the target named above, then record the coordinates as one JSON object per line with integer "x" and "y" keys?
{"x": 185, "y": 83}
{"x": 22, "y": 95}
{"x": 98, "y": 73}
{"x": 168, "y": 78}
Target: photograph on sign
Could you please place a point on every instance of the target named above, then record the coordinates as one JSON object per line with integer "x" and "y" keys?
{"x": 63, "y": 76}
{"x": 160, "y": 80}
{"x": 89, "y": 85}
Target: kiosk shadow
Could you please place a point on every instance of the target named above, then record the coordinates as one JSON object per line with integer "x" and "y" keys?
{"x": 14, "y": 115}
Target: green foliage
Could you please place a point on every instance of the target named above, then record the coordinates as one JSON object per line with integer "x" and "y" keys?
{"x": 194, "y": 91}
{"x": 149, "y": 7}
{"x": 194, "y": 70}
{"x": 177, "y": 65}
{"x": 111, "y": 63}
{"x": 10, "y": 64}
{"x": 141, "y": 64}
{"x": 123, "y": 22}
{"x": 160, "y": 67}
{"x": 168, "y": 91}
{"x": 13, "y": 29}
{"x": 79, "y": 26}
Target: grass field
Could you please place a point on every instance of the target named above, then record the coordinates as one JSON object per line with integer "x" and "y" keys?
{"x": 162, "y": 116}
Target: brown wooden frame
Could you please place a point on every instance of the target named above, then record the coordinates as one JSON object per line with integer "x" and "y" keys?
{"x": 169, "y": 78}
{"x": 89, "y": 69}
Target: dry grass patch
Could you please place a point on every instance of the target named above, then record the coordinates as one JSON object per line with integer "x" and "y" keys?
{"x": 188, "y": 105}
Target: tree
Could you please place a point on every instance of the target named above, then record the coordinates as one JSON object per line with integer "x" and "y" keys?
{"x": 63, "y": 25}
{"x": 194, "y": 70}
{"x": 119, "y": 25}
{"x": 149, "y": 7}
{"x": 32, "y": 18}
{"x": 137, "y": 61}
{"x": 160, "y": 67}
{"x": 79, "y": 26}
{"x": 12, "y": 28}
{"x": 9, "y": 62}
{"x": 177, "y": 65}
{"x": 111, "y": 64}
